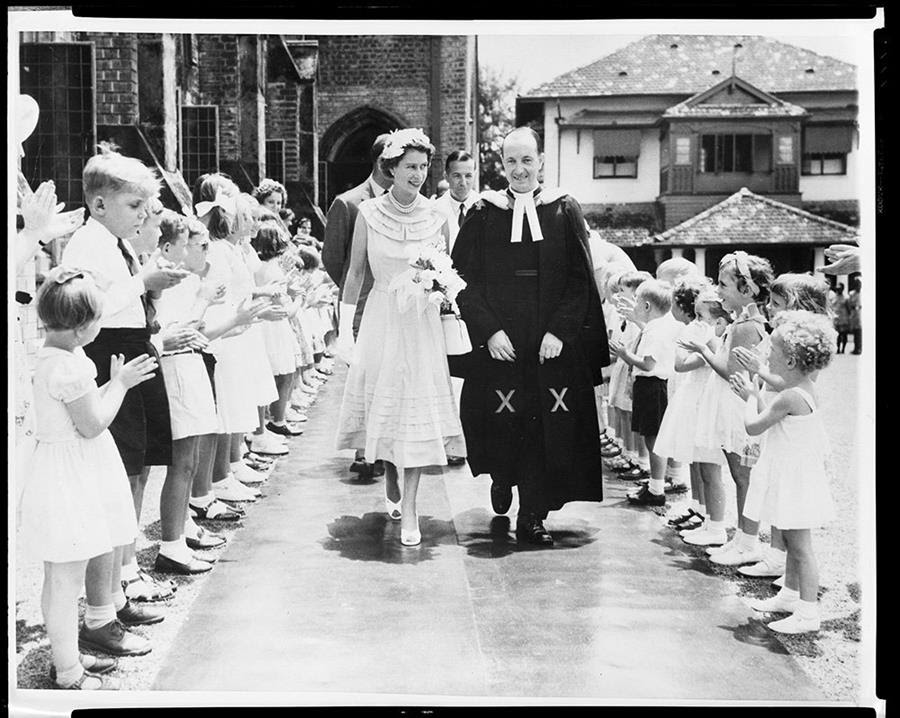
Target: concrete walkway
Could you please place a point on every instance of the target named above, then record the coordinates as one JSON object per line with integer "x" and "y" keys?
{"x": 316, "y": 594}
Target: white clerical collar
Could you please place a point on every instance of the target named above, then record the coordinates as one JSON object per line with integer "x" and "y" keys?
{"x": 524, "y": 208}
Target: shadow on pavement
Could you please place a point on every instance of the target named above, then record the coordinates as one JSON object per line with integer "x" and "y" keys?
{"x": 374, "y": 537}
{"x": 499, "y": 540}
{"x": 755, "y": 633}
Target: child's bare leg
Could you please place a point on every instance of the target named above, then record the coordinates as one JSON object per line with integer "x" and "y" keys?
{"x": 59, "y": 606}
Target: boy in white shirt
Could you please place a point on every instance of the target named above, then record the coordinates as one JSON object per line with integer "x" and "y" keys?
{"x": 116, "y": 191}
{"x": 653, "y": 362}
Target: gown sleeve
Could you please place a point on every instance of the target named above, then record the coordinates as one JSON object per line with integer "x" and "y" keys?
{"x": 468, "y": 258}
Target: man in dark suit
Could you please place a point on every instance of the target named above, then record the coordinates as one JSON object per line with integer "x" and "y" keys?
{"x": 336, "y": 257}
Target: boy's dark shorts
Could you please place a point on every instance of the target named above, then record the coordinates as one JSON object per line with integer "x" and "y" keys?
{"x": 648, "y": 404}
{"x": 142, "y": 429}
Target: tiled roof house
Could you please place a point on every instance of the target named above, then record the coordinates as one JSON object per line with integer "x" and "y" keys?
{"x": 671, "y": 125}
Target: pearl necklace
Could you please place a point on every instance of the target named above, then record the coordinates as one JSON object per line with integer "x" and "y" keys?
{"x": 403, "y": 208}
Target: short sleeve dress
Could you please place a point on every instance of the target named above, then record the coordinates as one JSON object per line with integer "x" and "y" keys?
{"x": 74, "y": 498}
{"x": 398, "y": 401}
{"x": 791, "y": 469}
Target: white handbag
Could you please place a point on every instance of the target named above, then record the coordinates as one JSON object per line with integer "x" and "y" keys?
{"x": 456, "y": 335}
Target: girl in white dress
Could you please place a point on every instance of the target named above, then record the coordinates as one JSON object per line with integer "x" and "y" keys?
{"x": 398, "y": 400}
{"x": 788, "y": 292}
{"x": 74, "y": 497}
{"x": 743, "y": 286}
{"x": 791, "y": 464}
{"x": 270, "y": 243}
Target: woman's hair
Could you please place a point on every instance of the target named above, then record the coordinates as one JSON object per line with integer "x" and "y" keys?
{"x": 111, "y": 172}
{"x": 808, "y": 338}
{"x": 389, "y": 164}
{"x": 267, "y": 187}
{"x": 269, "y": 242}
{"x": 220, "y": 223}
{"x": 633, "y": 279}
{"x": 171, "y": 226}
{"x": 308, "y": 258}
{"x": 658, "y": 293}
{"x": 68, "y": 299}
{"x": 686, "y": 291}
{"x": 802, "y": 291}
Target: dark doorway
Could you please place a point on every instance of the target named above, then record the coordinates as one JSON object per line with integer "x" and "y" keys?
{"x": 353, "y": 162}
{"x": 346, "y": 150}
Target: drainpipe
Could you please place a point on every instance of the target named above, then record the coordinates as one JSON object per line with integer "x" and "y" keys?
{"x": 558, "y": 143}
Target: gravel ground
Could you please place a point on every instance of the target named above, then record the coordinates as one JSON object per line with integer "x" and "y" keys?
{"x": 830, "y": 658}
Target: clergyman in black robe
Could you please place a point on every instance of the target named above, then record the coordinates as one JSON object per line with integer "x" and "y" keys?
{"x": 535, "y": 321}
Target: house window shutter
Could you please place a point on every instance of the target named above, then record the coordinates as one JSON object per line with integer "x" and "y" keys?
{"x": 827, "y": 140}
{"x": 617, "y": 143}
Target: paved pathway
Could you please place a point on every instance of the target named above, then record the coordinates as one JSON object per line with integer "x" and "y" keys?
{"x": 316, "y": 594}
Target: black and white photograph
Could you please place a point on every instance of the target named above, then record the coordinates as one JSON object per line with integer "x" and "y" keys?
{"x": 416, "y": 363}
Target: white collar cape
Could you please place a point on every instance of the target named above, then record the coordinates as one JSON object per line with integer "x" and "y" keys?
{"x": 523, "y": 207}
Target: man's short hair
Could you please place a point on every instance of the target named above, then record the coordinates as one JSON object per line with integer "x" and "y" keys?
{"x": 111, "y": 173}
{"x": 378, "y": 146}
{"x": 457, "y": 156}
{"x": 526, "y": 131}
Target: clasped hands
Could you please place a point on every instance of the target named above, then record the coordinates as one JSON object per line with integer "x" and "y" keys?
{"x": 500, "y": 347}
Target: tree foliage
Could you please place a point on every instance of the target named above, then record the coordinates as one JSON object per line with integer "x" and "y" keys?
{"x": 496, "y": 117}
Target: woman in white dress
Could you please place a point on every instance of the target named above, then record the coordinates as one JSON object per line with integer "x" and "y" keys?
{"x": 398, "y": 401}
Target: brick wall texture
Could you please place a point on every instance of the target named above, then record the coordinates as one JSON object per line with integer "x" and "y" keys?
{"x": 116, "y": 60}
{"x": 219, "y": 84}
{"x": 283, "y": 123}
{"x": 393, "y": 73}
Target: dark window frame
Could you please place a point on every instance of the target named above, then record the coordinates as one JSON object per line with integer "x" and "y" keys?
{"x": 617, "y": 160}
{"x": 808, "y": 158}
{"x": 195, "y": 168}
{"x": 725, "y": 154}
{"x": 282, "y": 170}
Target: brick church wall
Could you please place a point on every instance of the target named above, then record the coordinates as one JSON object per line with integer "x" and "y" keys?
{"x": 389, "y": 72}
{"x": 283, "y": 123}
{"x": 116, "y": 59}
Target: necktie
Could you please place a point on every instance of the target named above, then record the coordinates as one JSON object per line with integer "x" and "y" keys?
{"x": 462, "y": 213}
{"x": 146, "y": 300}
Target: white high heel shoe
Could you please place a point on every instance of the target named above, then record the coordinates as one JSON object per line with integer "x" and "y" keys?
{"x": 411, "y": 538}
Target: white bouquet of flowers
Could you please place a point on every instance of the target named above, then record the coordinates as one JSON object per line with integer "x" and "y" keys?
{"x": 431, "y": 280}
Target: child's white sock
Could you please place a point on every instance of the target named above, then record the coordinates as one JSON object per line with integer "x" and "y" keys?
{"x": 203, "y": 501}
{"x": 67, "y": 677}
{"x": 130, "y": 570}
{"x": 98, "y": 616}
{"x": 777, "y": 554}
{"x": 176, "y": 550}
{"x": 789, "y": 594}
{"x": 119, "y": 599}
{"x": 657, "y": 487}
{"x": 716, "y": 525}
{"x": 191, "y": 528}
{"x": 747, "y": 542}
{"x": 807, "y": 609}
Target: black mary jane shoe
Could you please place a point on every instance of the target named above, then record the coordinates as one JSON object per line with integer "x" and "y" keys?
{"x": 501, "y": 497}
{"x": 532, "y": 531}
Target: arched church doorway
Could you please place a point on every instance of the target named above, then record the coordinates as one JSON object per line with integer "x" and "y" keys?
{"x": 346, "y": 149}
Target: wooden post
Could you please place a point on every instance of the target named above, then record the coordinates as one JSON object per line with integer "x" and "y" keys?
{"x": 700, "y": 259}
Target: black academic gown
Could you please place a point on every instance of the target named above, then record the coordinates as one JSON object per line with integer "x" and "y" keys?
{"x": 530, "y": 423}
